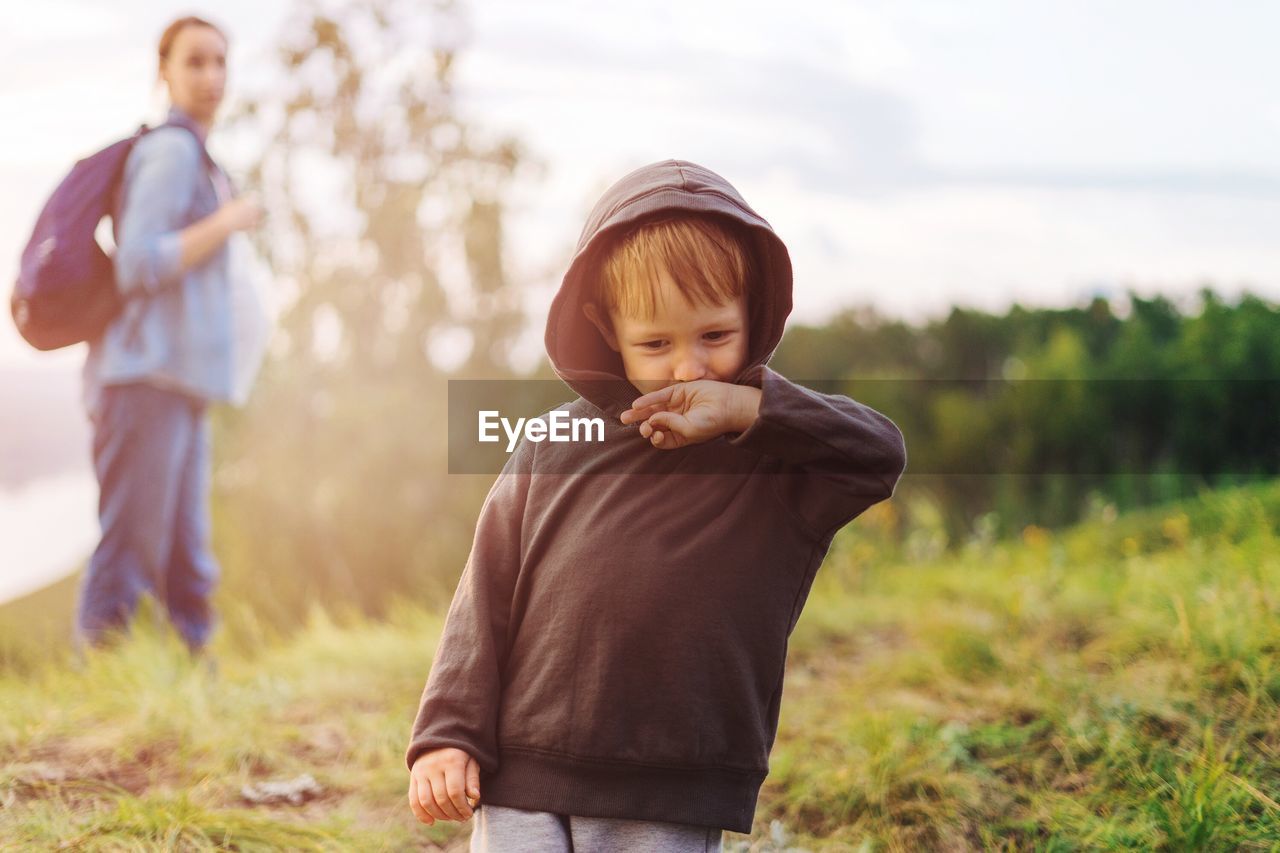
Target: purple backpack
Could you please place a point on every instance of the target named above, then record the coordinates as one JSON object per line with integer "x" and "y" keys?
{"x": 66, "y": 289}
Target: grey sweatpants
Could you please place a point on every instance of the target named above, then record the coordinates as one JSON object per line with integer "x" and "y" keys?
{"x": 501, "y": 829}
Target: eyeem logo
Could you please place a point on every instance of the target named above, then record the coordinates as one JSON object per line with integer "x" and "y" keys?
{"x": 557, "y": 427}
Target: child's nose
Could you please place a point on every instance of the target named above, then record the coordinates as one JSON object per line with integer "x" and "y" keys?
{"x": 689, "y": 368}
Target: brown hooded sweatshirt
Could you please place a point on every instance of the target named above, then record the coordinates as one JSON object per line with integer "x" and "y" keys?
{"x": 616, "y": 644}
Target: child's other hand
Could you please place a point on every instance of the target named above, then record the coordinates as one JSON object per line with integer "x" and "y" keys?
{"x": 444, "y": 785}
{"x": 693, "y": 412}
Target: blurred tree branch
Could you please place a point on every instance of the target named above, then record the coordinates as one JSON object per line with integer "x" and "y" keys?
{"x": 384, "y": 230}
{"x": 378, "y": 191}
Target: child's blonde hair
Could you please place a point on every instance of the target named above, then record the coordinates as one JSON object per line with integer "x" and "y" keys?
{"x": 704, "y": 257}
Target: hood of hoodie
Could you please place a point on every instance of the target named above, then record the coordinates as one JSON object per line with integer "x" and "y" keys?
{"x": 579, "y": 353}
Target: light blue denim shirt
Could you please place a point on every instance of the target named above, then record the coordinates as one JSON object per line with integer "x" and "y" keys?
{"x": 175, "y": 330}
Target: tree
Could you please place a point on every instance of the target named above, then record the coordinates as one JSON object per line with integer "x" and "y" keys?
{"x": 384, "y": 223}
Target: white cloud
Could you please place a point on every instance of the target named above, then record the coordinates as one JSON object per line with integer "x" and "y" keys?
{"x": 59, "y": 21}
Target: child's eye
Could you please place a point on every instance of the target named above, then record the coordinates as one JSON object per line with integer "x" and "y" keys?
{"x": 717, "y": 336}
{"x": 653, "y": 344}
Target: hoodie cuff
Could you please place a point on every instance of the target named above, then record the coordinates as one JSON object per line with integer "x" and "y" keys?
{"x": 765, "y": 435}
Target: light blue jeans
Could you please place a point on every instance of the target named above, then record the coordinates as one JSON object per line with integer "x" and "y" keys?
{"x": 151, "y": 455}
{"x": 500, "y": 829}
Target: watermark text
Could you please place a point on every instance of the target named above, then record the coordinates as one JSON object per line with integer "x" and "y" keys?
{"x": 557, "y": 427}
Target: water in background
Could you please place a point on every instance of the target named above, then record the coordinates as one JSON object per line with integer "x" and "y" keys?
{"x": 47, "y": 529}
{"x": 48, "y": 494}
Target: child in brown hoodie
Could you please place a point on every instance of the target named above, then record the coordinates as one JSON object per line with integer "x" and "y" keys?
{"x": 610, "y": 673}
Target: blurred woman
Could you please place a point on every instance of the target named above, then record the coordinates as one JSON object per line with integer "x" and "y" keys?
{"x": 167, "y": 355}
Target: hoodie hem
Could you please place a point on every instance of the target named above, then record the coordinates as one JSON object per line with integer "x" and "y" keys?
{"x": 723, "y": 798}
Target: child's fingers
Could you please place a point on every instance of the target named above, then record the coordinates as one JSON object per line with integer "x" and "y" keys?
{"x": 654, "y": 398}
{"x": 427, "y": 791}
{"x": 415, "y": 803}
{"x": 656, "y": 437}
{"x": 473, "y": 782}
{"x": 442, "y": 788}
{"x": 455, "y": 789}
{"x": 671, "y": 422}
{"x": 635, "y": 415}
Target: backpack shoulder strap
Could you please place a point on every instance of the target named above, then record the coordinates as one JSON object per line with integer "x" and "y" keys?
{"x": 204, "y": 152}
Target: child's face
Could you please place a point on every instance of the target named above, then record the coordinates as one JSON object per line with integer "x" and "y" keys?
{"x": 681, "y": 342}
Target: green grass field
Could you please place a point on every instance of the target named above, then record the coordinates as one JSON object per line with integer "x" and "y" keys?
{"x": 1111, "y": 686}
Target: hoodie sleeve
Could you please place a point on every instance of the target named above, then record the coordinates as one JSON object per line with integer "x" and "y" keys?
{"x": 160, "y": 180}
{"x": 459, "y": 706}
{"x": 839, "y": 457}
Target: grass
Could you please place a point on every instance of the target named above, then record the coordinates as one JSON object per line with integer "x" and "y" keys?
{"x": 142, "y": 746}
{"x": 1116, "y": 685}
{"x": 35, "y": 629}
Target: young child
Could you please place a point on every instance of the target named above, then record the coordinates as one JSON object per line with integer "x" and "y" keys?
{"x": 610, "y": 672}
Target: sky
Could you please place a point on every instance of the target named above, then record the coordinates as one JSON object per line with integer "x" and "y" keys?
{"x": 914, "y": 155}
